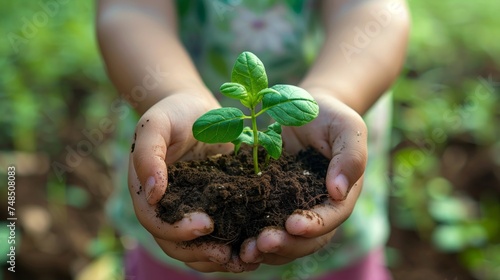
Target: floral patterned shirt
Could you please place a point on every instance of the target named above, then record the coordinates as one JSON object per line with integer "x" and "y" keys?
{"x": 285, "y": 35}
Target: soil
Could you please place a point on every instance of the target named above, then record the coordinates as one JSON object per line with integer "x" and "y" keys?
{"x": 66, "y": 252}
{"x": 60, "y": 249}
{"x": 240, "y": 202}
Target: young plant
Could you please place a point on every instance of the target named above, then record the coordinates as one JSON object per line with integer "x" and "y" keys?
{"x": 288, "y": 105}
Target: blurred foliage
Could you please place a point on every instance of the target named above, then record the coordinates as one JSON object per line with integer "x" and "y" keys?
{"x": 51, "y": 71}
{"x": 447, "y": 108}
{"x": 53, "y": 85}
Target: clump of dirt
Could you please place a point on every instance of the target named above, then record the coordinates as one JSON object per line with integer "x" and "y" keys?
{"x": 240, "y": 202}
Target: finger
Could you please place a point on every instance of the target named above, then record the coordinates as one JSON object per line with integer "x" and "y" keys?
{"x": 207, "y": 267}
{"x": 349, "y": 156}
{"x": 288, "y": 247}
{"x": 189, "y": 252}
{"x": 323, "y": 218}
{"x": 274, "y": 259}
{"x": 249, "y": 252}
{"x": 148, "y": 156}
{"x": 236, "y": 265}
{"x": 193, "y": 225}
{"x": 340, "y": 134}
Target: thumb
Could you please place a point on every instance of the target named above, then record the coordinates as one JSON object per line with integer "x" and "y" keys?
{"x": 148, "y": 154}
{"x": 349, "y": 156}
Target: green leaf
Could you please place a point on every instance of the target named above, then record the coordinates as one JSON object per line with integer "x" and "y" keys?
{"x": 263, "y": 92}
{"x": 292, "y": 106}
{"x": 245, "y": 137}
{"x": 219, "y": 125}
{"x": 269, "y": 139}
{"x": 272, "y": 142}
{"x": 246, "y": 102}
{"x": 234, "y": 90}
{"x": 249, "y": 71}
{"x": 276, "y": 127}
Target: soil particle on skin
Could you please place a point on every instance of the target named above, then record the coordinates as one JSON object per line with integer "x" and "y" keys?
{"x": 133, "y": 144}
{"x": 240, "y": 202}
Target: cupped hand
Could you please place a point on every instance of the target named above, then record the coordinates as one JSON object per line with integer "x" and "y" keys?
{"x": 340, "y": 134}
{"x": 163, "y": 136}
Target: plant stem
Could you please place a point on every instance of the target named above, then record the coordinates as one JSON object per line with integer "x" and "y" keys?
{"x": 268, "y": 158}
{"x": 255, "y": 142}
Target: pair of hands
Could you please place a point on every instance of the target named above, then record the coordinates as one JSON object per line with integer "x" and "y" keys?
{"x": 163, "y": 136}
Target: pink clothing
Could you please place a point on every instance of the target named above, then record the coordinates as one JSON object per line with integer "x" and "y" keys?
{"x": 139, "y": 265}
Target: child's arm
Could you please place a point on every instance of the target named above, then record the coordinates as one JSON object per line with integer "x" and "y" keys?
{"x": 147, "y": 63}
{"x": 139, "y": 43}
{"x": 345, "y": 86}
{"x": 362, "y": 55}
{"x": 150, "y": 68}
{"x": 364, "y": 50}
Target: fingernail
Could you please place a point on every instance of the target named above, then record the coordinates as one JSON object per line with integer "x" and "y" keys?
{"x": 252, "y": 245}
{"x": 342, "y": 185}
{"x": 297, "y": 224}
{"x": 150, "y": 183}
{"x": 202, "y": 223}
{"x": 257, "y": 257}
{"x": 251, "y": 249}
{"x": 201, "y": 232}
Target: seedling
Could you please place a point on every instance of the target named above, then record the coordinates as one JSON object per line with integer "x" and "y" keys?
{"x": 288, "y": 105}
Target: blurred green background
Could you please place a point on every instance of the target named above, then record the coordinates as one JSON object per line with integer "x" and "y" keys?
{"x": 445, "y": 203}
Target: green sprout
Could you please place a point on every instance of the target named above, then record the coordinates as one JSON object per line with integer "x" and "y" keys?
{"x": 288, "y": 105}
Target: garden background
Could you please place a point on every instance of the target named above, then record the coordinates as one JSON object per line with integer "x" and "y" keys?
{"x": 445, "y": 175}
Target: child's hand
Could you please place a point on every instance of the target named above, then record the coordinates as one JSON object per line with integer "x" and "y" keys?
{"x": 163, "y": 136}
{"x": 340, "y": 134}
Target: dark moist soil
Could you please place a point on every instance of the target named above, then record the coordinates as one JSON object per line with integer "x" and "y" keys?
{"x": 240, "y": 202}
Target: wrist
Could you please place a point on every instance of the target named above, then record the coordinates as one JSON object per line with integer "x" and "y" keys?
{"x": 145, "y": 99}
{"x": 320, "y": 92}
{"x": 344, "y": 95}
{"x": 199, "y": 95}
{"x": 185, "y": 100}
